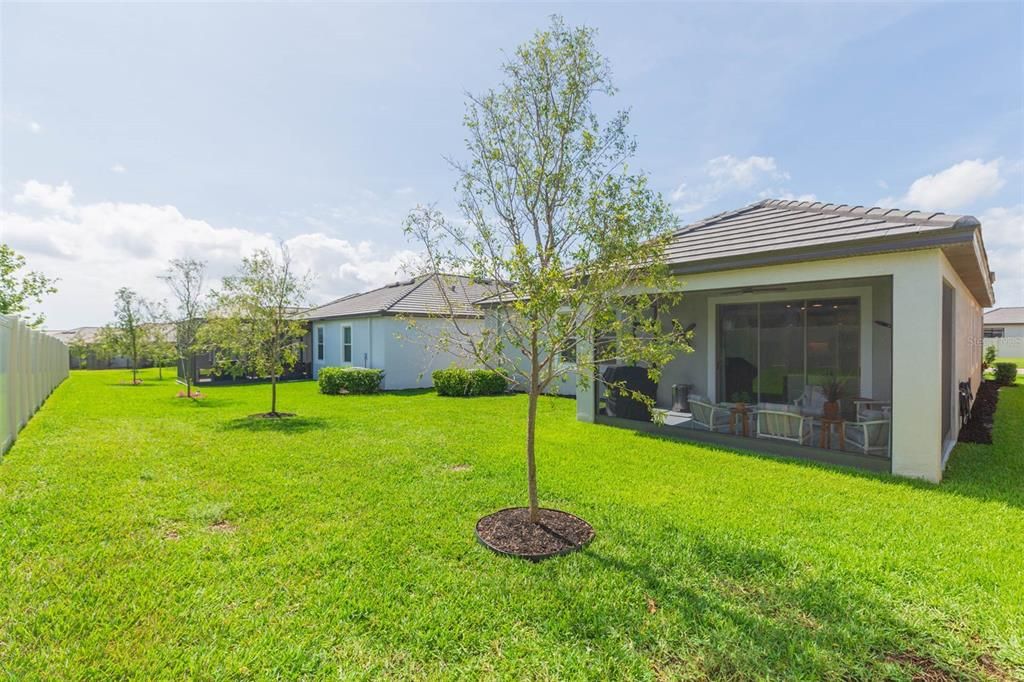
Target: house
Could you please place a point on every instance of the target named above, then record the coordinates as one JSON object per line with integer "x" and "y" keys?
{"x": 786, "y": 297}
{"x": 86, "y": 339}
{"x": 202, "y": 366}
{"x": 396, "y": 328}
{"x": 1004, "y": 329}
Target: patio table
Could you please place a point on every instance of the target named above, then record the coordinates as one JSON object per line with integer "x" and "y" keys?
{"x": 827, "y": 425}
{"x": 738, "y": 418}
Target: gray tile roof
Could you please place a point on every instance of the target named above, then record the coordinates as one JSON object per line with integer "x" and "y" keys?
{"x": 780, "y": 231}
{"x": 423, "y": 295}
{"x": 777, "y": 225}
{"x": 1005, "y": 316}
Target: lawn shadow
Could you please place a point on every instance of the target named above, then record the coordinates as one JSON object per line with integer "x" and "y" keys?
{"x": 990, "y": 476}
{"x": 296, "y": 424}
{"x": 743, "y": 609}
{"x": 407, "y": 392}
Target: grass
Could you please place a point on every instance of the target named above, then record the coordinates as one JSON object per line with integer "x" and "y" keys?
{"x": 149, "y": 536}
{"x": 1017, "y": 361}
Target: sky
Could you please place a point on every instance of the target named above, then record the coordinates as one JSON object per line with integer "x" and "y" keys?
{"x": 137, "y": 133}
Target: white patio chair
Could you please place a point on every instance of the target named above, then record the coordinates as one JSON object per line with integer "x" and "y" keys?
{"x": 812, "y": 401}
{"x": 708, "y": 416}
{"x": 783, "y": 422}
{"x": 865, "y": 408}
{"x": 869, "y": 437}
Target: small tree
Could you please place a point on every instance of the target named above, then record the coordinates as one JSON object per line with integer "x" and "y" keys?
{"x": 989, "y": 358}
{"x": 18, "y": 290}
{"x": 159, "y": 340}
{"x": 573, "y": 242}
{"x": 253, "y": 325}
{"x": 79, "y": 348}
{"x": 128, "y": 335}
{"x": 186, "y": 279}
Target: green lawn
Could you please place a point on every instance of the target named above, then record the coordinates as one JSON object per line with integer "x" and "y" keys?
{"x": 148, "y": 536}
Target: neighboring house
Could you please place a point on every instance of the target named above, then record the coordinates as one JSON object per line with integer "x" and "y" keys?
{"x": 395, "y": 328}
{"x": 203, "y": 365}
{"x": 1004, "y": 329}
{"x": 787, "y": 294}
{"x": 94, "y": 359}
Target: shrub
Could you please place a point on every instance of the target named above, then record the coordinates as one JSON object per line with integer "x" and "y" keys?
{"x": 989, "y": 358}
{"x": 468, "y": 382}
{"x": 335, "y": 380}
{"x": 1006, "y": 372}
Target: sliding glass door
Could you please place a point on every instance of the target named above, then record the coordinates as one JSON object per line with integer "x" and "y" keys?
{"x": 769, "y": 352}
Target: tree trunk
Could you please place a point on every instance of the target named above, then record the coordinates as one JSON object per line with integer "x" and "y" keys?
{"x": 273, "y": 394}
{"x": 160, "y": 372}
{"x": 531, "y": 431}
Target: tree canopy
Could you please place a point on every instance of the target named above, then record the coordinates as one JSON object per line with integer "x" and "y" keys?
{"x": 19, "y": 288}
{"x": 551, "y": 213}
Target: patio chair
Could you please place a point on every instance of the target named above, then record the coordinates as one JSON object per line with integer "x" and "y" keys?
{"x": 812, "y": 401}
{"x": 708, "y": 416}
{"x": 783, "y": 422}
{"x": 864, "y": 408}
{"x": 869, "y": 437}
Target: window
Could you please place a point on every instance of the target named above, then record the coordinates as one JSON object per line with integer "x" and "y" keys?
{"x": 319, "y": 343}
{"x": 769, "y": 352}
{"x": 995, "y": 332}
{"x": 346, "y": 344}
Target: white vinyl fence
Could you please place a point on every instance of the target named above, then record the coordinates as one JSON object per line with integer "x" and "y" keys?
{"x": 31, "y": 365}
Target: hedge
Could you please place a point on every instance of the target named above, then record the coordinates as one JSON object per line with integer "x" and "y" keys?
{"x": 469, "y": 382}
{"x": 1006, "y": 372}
{"x": 335, "y": 380}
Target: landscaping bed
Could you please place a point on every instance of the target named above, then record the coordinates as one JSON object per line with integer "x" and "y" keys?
{"x": 511, "y": 532}
{"x": 978, "y": 428}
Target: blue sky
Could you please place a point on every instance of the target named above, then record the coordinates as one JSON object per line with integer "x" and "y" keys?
{"x": 136, "y": 133}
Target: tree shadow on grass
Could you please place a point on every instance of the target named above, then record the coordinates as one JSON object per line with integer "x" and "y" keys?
{"x": 992, "y": 476}
{"x": 296, "y": 424}
{"x": 726, "y": 610}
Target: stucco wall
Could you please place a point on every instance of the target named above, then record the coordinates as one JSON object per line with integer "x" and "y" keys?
{"x": 968, "y": 339}
{"x": 1012, "y": 343}
{"x": 406, "y": 355}
{"x": 564, "y": 384}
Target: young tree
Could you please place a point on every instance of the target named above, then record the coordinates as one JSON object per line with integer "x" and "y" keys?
{"x": 252, "y": 325}
{"x": 159, "y": 344}
{"x": 80, "y": 349}
{"x": 18, "y": 290}
{"x": 186, "y": 279}
{"x": 552, "y": 213}
{"x": 128, "y": 334}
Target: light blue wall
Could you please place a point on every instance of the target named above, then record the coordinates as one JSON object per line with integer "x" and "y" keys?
{"x": 406, "y": 355}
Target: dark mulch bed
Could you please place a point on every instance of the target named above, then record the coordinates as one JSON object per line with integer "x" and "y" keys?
{"x": 979, "y": 427}
{"x": 510, "y": 531}
{"x": 271, "y": 415}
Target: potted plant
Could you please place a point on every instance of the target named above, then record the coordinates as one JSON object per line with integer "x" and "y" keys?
{"x": 833, "y": 389}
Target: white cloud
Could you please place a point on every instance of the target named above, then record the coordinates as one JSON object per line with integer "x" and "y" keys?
{"x": 743, "y": 173}
{"x": 34, "y": 127}
{"x": 96, "y": 248}
{"x": 728, "y": 175}
{"x": 1003, "y": 232}
{"x": 47, "y": 197}
{"x": 959, "y": 185}
{"x": 118, "y": 168}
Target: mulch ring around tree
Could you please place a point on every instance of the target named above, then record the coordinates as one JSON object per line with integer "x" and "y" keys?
{"x": 271, "y": 415}
{"x": 979, "y": 427}
{"x": 510, "y": 532}
{"x": 195, "y": 395}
